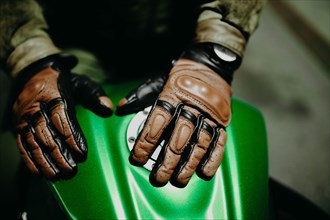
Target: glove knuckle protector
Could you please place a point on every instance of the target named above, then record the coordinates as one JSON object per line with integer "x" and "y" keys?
{"x": 199, "y": 87}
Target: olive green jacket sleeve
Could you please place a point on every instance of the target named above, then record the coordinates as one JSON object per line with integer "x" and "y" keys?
{"x": 23, "y": 35}
{"x": 229, "y": 22}
{"x": 24, "y": 38}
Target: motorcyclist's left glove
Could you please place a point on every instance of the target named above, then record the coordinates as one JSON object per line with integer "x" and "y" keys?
{"x": 191, "y": 112}
{"x": 49, "y": 137}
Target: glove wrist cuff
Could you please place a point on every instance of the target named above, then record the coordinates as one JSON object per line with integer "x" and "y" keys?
{"x": 60, "y": 62}
{"x": 205, "y": 53}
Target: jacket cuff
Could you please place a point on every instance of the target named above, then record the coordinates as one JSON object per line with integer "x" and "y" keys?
{"x": 28, "y": 52}
{"x": 211, "y": 29}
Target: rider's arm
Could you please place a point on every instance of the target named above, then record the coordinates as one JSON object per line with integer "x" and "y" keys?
{"x": 228, "y": 23}
{"x": 23, "y": 36}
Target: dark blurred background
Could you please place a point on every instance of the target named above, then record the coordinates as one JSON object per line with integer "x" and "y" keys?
{"x": 285, "y": 74}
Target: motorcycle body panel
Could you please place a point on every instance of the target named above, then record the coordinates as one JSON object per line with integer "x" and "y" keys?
{"x": 108, "y": 187}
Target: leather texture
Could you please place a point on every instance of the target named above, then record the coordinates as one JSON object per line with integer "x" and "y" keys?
{"x": 190, "y": 116}
{"x": 49, "y": 137}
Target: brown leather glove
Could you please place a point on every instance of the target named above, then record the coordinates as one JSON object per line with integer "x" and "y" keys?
{"x": 49, "y": 137}
{"x": 190, "y": 115}
{"x": 191, "y": 109}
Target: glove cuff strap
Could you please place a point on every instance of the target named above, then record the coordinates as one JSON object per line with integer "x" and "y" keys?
{"x": 205, "y": 53}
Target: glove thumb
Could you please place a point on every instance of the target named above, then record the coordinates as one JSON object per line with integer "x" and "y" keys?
{"x": 141, "y": 97}
{"x": 91, "y": 95}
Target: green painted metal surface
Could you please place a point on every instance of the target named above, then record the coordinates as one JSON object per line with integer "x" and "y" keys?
{"x": 108, "y": 187}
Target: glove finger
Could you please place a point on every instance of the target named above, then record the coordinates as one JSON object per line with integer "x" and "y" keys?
{"x": 212, "y": 160}
{"x": 151, "y": 135}
{"x": 171, "y": 154}
{"x": 91, "y": 95}
{"x": 66, "y": 125}
{"x": 141, "y": 97}
{"x": 41, "y": 159}
{"x": 58, "y": 150}
{"x": 26, "y": 154}
{"x": 193, "y": 154}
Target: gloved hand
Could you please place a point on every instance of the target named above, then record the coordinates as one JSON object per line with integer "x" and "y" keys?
{"x": 49, "y": 137}
{"x": 190, "y": 115}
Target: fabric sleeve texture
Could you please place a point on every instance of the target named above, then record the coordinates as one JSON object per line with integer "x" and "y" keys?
{"x": 23, "y": 36}
{"x": 229, "y": 23}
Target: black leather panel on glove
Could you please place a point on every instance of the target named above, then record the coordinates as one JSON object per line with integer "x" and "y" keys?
{"x": 49, "y": 137}
{"x": 142, "y": 96}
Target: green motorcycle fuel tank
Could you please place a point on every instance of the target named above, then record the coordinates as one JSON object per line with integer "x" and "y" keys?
{"x": 107, "y": 186}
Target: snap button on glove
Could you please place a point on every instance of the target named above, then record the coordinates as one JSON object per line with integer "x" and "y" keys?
{"x": 190, "y": 115}
{"x": 49, "y": 137}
